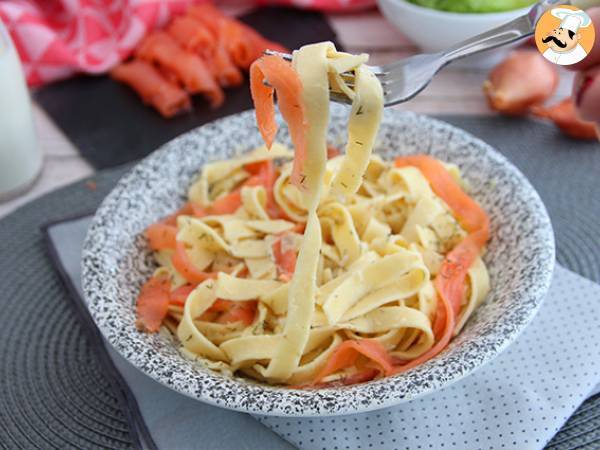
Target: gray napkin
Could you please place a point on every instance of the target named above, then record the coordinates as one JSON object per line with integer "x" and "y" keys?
{"x": 518, "y": 401}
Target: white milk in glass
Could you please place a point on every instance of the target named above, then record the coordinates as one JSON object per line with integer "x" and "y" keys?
{"x": 20, "y": 155}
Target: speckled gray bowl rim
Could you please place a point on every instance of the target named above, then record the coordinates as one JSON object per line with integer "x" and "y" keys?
{"x": 461, "y": 358}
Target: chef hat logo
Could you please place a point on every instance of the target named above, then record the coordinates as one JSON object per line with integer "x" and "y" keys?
{"x": 558, "y": 46}
{"x": 571, "y": 20}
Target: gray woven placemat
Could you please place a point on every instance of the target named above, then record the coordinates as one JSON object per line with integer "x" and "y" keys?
{"x": 53, "y": 393}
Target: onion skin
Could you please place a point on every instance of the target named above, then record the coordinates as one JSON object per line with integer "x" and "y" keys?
{"x": 564, "y": 115}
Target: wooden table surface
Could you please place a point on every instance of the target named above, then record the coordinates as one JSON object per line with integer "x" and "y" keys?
{"x": 457, "y": 89}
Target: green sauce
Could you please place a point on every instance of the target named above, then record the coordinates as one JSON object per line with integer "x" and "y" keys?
{"x": 473, "y": 6}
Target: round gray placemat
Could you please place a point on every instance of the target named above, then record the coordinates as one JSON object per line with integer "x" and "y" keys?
{"x": 53, "y": 393}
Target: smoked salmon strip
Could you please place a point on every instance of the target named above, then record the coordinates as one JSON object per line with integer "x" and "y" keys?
{"x": 224, "y": 69}
{"x": 160, "y": 48}
{"x": 284, "y": 80}
{"x": 209, "y": 15}
{"x": 155, "y": 90}
{"x": 153, "y": 304}
{"x": 192, "y": 35}
{"x": 200, "y": 52}
{"x": 244, "y": 44}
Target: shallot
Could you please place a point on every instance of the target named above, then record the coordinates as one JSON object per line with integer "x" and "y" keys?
{"x": 521, "y": 81}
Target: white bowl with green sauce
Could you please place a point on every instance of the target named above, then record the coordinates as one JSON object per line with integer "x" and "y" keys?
{"x": 435, "y": 25}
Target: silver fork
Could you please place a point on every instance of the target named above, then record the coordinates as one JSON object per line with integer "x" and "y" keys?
{"x": 404, "y": 79}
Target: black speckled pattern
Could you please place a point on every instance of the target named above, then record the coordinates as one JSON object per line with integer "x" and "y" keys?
{"x": 116, "y": 261}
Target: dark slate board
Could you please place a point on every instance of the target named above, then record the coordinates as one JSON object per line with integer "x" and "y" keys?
{"x": 110, "y": 126}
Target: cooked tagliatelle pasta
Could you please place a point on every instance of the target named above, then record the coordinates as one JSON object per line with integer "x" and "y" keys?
{"x": 298, "y": 269}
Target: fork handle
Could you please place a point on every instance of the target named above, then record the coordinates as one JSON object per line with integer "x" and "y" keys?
{"x": 513, "y": 31}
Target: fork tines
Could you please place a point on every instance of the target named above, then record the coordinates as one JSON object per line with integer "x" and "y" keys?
{"x": 285, "y": 56}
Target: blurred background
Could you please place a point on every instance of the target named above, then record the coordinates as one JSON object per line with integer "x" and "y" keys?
{"x": 84, "y": 121}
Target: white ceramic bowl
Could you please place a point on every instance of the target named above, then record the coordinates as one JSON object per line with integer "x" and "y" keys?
{"x": 117, "y": 260}
{"x": 433, "y": 30}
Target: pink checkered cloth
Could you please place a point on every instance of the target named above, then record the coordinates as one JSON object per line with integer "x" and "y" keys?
{"x": 58, "y": 38}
